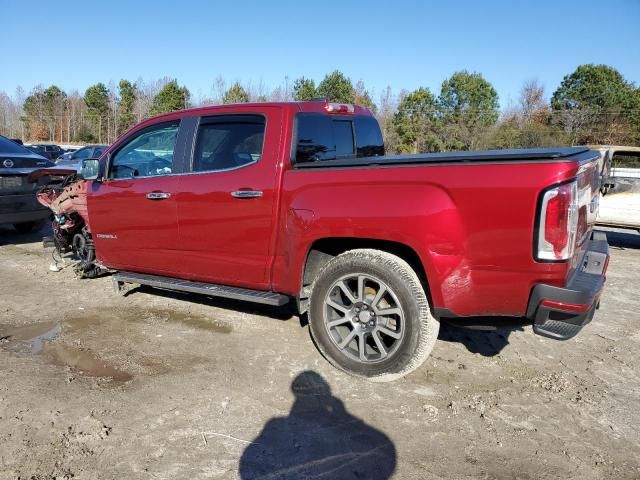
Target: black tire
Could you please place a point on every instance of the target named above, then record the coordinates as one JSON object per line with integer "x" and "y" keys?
{"x": 27, "y": 227}
{"x": 82, "y": 246}
{"x": 419, "y": 329}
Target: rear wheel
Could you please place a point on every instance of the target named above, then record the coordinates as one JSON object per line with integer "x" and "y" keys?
{"x": 369, "y": 315}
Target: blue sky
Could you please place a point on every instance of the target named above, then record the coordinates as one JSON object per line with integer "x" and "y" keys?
{"x": 401, "y": 43}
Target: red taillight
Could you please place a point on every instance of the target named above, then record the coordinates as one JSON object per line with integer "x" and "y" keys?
{"x": 343, "y": 108}
{"x": 556, "y": 232}
{"x": 558, "y": 222}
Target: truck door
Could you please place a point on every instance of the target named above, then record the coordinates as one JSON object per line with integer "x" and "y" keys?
{"x": 133, "y": 215}
{"x": 226, "y": 204}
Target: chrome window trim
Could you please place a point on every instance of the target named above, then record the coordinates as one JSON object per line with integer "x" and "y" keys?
{"x": 222, "y": 170}
{"x": 128, "y": 179}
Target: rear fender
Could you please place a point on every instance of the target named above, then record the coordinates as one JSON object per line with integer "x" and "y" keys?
{"x": 421, "y": 217}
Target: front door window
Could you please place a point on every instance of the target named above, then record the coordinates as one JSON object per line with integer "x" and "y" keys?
{"x": 148, "y": 154}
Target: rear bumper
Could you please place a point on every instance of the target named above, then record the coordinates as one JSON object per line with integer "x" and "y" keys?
{"x": 21, "y": 209}
{"x": 561, "y": 313}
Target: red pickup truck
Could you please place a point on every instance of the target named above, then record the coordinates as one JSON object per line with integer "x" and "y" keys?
{"x": 276, "y": 202}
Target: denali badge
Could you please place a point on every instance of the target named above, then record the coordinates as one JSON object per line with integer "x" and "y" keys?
{"x": 8, "y": 163}
{"x": 108, "y": 236}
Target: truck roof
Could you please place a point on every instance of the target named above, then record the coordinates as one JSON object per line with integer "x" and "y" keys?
{"x": 317, "y": 106}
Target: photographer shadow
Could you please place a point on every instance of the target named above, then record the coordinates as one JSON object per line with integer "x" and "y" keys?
{"x": 318, "y": 439}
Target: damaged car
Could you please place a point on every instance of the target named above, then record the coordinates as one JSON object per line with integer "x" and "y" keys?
{"x": 67, "y": 201}
{"x": 297, "y": 203}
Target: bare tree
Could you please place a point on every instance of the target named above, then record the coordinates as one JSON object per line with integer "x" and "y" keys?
{"x": 5, "y": 113}
{"x": 112, "y": 112}
{"x": 18, "y": 106}
{"x": 10, "y": 113}
{"x": 386, "y": 110}
{"x": 219, "y": 88}
{"x": 76, "y": 110}
{"x": 534, "y": 107}
{"x": 146, "y": 92}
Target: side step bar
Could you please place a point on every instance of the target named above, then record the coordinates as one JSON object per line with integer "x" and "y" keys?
{"x": 211, "y": 289}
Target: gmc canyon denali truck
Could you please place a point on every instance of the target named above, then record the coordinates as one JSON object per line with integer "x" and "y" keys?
{"x": 276, "y": 202}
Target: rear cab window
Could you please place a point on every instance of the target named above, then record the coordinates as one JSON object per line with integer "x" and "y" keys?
{"x": 322, "y": 137}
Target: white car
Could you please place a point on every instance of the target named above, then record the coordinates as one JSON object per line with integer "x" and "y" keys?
{"x": 620, "y": 200}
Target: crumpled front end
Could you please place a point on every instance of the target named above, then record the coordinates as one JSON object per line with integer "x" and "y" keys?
{"x": 67, "y": 201}
{"x": 71, "y": 228}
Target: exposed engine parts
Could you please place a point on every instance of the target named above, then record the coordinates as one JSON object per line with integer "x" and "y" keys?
{"x": 70, "y": 225}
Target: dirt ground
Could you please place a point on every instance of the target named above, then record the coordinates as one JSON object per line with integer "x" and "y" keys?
{"x": 168, "y": 386}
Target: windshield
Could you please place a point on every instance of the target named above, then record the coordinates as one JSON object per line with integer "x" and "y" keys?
{"x": 7, "y": 146}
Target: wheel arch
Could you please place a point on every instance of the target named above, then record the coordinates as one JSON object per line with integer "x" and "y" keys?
{"x": 324, "y": 249}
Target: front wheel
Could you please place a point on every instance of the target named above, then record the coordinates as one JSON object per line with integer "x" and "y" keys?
{"x": 369, "y": 315}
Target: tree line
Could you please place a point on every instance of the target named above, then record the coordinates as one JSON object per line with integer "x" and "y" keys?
{"x": 594, "y": 104}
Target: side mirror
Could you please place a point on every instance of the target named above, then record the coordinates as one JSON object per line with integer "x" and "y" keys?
{"x": 90, "y": 168}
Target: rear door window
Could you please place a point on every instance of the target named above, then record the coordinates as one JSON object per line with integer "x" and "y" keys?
{"x": 226, "y": 142}
{"x": 323, "y": 137}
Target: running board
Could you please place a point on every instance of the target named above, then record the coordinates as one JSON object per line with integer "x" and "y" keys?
{"x": 211, "y": 289}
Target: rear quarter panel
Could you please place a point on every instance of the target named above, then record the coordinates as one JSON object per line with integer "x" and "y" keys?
{"x": 471, "y": 225}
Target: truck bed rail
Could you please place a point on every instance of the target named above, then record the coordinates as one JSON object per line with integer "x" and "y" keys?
{"x": 483, "y": 156}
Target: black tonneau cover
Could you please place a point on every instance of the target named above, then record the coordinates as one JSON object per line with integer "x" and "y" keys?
{"x": 481, "y": 156}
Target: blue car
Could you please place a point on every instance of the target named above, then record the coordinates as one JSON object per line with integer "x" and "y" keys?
{"x": 74, "y": 159}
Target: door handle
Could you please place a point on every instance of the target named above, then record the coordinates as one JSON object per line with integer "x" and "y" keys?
{"x": 246, "y": 194}
{"x": 158, "y": 195}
